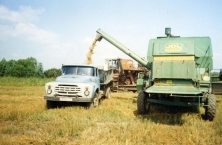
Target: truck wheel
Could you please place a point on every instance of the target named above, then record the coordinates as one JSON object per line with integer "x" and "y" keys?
{"x": 108, "y": 91}
{"x": 210, "y": 111}
{"x": 143, "y": 105}
{"x": 51, "y": 104}
{"x": 95, "y": 102}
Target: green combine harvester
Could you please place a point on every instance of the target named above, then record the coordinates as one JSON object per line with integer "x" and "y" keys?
{"x": 178, "y": 72}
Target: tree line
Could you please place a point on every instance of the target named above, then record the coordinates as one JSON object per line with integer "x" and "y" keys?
{"x": 29, "y": 67}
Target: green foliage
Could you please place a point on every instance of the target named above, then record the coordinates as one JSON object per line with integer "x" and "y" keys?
{"x": 26, "y": 68}
{"x": 52, "y": 73}
{"x": 2, "y": 67}
{"x": 9, "y": 68}
{"x": 22, "y": 68}
{"x": 39, "y": 70}
{"x": 215, "y": 74}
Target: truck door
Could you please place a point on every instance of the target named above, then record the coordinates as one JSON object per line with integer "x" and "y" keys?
{"x": 97, "y": 79}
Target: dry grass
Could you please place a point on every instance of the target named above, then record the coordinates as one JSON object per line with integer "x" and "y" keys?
{"x": 24, "y": 120}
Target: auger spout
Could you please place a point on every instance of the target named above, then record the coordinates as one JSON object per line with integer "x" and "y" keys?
{"x": 101, "y": 34}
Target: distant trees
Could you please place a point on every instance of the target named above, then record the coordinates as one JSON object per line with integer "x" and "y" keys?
{"x": 25, "y": 68}
{"x": 3, "y": 67}
{"x": 50, "y": 73}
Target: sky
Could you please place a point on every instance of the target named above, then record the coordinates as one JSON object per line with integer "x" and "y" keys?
{"x": 57, "y": 32}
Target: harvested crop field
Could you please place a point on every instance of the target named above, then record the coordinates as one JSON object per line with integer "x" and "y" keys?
{"x": 25, "y": 120}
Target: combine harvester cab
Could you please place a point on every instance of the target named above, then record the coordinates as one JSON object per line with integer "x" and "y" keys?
{"x": 179, "y": 72}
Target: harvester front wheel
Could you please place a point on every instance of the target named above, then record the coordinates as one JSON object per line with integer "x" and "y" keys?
{"x": 143, "y": 105}
{"x": 210, "y": 110}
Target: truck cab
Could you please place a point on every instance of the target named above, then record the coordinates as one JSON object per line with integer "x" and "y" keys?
{"x": 78, "y": 83}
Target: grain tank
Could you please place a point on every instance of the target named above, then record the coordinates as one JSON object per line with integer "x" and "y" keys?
{"x": 178, "y": 72}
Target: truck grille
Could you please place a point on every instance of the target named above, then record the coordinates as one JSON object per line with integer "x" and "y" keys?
{"x": 67, "y": 90}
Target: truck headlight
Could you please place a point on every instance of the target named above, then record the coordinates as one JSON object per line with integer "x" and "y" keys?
{"x": 87, "y": 91}
{"x": 49, "y": 91}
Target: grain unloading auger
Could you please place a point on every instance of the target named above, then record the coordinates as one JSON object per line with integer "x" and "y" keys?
{"x": 101, "y": 34}
{"x": 179, "y": 72}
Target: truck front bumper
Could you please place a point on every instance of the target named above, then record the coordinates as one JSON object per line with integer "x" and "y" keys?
{"x": 67, "y": 99}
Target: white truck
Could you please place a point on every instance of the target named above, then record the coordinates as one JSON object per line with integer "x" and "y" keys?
{"x": 79, "y": 83}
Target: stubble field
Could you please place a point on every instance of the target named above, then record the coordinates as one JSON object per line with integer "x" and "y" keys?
{"x": 25, "y": 120}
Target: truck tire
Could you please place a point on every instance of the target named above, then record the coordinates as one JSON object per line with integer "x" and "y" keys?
{"x": 95, "y": 102}
{"x": 143, "y": 105}
{"x": 108, "y": 92}
{"x": 51, "y": 104}
{"x": 210, "y": 111}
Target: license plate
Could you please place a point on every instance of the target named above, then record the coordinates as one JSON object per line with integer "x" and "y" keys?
{"x": 169, "y": 81}
{"x": 65, "y": 99}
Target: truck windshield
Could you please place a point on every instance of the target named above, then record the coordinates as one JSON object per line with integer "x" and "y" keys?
{"x": 78, "y": 70}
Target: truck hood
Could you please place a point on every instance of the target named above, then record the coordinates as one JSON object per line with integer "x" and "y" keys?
{"x": 75, "y": 79}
